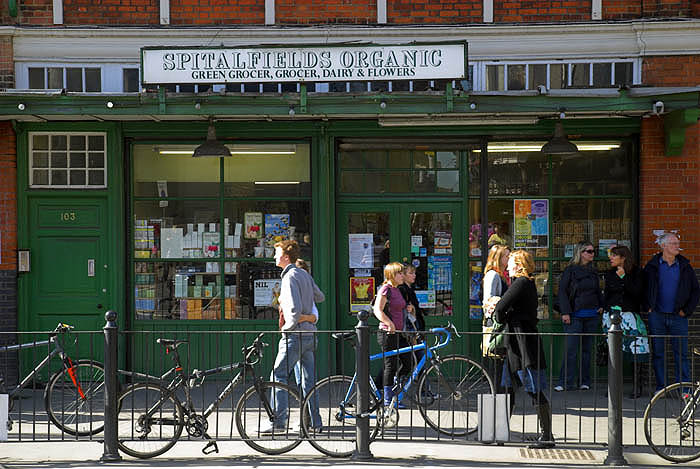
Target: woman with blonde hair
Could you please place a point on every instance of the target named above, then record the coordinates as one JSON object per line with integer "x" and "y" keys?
{"x": 517, "y": 309}
{"x": 391, "y": 320}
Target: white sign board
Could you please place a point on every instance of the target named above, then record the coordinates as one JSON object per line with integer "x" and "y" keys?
{"x": 365, "y": 62}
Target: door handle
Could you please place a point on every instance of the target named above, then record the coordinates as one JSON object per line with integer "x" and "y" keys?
{"x": 91, "y": 268}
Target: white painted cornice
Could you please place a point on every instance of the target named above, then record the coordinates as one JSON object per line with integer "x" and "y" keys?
{"x": 486, "y": 42}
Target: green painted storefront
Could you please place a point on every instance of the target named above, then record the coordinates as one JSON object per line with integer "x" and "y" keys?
{"x": 366, "y": 159}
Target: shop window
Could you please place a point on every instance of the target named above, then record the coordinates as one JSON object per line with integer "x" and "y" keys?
{"x": 67, "y": 160}
{"x": 130, "y": 80}
{"x": 601, "y": 168}
{"x": 204, "y": 231}
{"x": 517, "y": 169}
{"x": 77, "y": 79}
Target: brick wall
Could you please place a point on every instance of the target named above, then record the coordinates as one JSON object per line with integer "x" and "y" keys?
{"x": 626, "y": 10}
{"x": 679, "y": 70}
{"x": 8, "y": 240}
{"x": 7, "y": 64}
{"x": 111, "y": 12}
{"x": 434, "y": 12}
{"x": 532, "y": 11}
{"x": 34, "y": 12}
{"x": 326, "y": 11}
{"x": 218, "y": 12}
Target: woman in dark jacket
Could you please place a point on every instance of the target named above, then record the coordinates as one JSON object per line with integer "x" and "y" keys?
{"x": 517, "y": 308}
{"x": 623, "y": 288}
{"x": 581, "y": 303}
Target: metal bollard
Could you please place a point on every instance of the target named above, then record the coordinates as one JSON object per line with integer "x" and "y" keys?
{"x": 362, "y": 451}
{"x": 111, "y": 448}
{"x": 615, "y": 456}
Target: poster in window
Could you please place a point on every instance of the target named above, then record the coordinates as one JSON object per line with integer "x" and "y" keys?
{"x": 253, "y": 225}
{"x": 276, "y": 228}
{"x": 426, "y": 298}
{"x": 443, "y": 242}
{"x": 361, "y": 293}
{"x": 361, "y": 249}
{"x": 266, "y": 292}
{"x": 531, "y": 223}
{"x": 210, "y": 244}
{"x": 440, "y": 273}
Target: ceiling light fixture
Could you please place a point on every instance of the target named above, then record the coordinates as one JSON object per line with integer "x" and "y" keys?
{"x": 211, "y": 148}
{"x": 559, "y": 144}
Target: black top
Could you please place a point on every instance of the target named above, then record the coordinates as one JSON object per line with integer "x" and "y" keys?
{"x": 519, "y": 303}
{"x": 409, "y": 294}
{"x": 625, "y": 292}
{"x": 579, "y": 288}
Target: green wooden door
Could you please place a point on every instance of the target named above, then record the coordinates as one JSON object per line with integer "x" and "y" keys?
{"x": 70, "y": 266}
{"x": 424, "y": 234}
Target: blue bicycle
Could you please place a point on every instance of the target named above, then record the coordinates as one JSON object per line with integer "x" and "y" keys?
{"x": 447, "y": 397}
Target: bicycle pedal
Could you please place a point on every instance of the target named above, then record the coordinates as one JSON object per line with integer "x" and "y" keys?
{"x": 211, "y": 447}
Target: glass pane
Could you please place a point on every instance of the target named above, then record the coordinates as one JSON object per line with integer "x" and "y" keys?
{"x": 401, "y": 159}
{"x": 537, "y": 76}
{"x": 96, "y": 142}
{"x": 358, "y": 86}
{"x": 494, "y": 78}
{"x": 36, "y": 78}
{"x": 59, "y": 142}
{"x": 363, "y": 159}
{"x": 59, "y": 160}
{"x": 580, "y": 75}
{"x": 433, "y": 259}
{"x": 130, "y": 80}
{"x": 55, "y": 78}
{"x": 558, "y": 76}
{"x": 96, "y": 160}
{"x": 448, "y": 181}
{"x": 77, "y": 160}
{"x": 40, "y": 177}
{"x": 183, "y": 175}
{"x": 96, "y": 178}
{"x": 77, "y": 142}
{"x": 40, "y": 142}
{"x": 352, "y": 182}
{"x": 602, "y": 75}
{"x": 447, "y": 159}
{"x": 93, "y": 80}
{"x": 600, "y": 168}
{"x": 74, "y": 79}
{"x": 500, "y": 229}
{"x": 40, "y": 159}
{"x": 77, "y": 178}
{"x": 600, "y": 222}
{"x": 369, "y": 251}
{"x": 258, "y": 289}
{"x": 474, "y": 172}
{"x": 400, "y": 85}
{"x": 262, "y": 224}
{"x": 423, "y": 181}
{"x": 517, "y": 168}
{"x": 623, "y": 73}
{"x": 268, "y": 170}
{"x": 187, "y": 88}
{"x": 435, "y": 159}
{"x": 59, "y": 177}
{"x": 516, "y": 77}
{"x": 474, "y": 234}
{"x": 541, "y": 276}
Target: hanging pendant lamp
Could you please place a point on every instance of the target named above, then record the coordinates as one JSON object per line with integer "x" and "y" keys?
{"x": 559, "y": 144}
{"x": 211, "y": 148}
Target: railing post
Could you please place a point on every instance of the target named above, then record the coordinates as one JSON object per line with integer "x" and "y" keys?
{"x": 111, "y": 448}
{"x": 615, "y": 456}
{"x": 362, "y": 451}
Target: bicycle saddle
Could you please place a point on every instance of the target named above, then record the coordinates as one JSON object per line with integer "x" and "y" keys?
{"x": 171, "y": 342}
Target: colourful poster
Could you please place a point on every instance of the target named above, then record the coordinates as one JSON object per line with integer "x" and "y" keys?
{"x": 253, "y": 225}
{"x": 440, "y": 273}
{"x": 361, "y": 293}
{"x": 531, "y": 223}
{"x": 276, "y": 228}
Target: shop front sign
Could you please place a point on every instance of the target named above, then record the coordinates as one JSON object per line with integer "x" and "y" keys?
{"x": 356, "y": 62}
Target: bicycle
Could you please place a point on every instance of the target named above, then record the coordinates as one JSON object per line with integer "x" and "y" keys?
{"x": 447, "y": 397}
{"x": 672, "y": 421}
{"x": 73, "y": 396}
{"x": 151, "y": 416}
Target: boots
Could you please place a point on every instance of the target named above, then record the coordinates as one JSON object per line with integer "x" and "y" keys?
{"x": 546, "y": 439}
{"x": 639, "y": 379}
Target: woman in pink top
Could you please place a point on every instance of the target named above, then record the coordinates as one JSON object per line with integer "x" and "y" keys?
{"x": 391, "y": 320}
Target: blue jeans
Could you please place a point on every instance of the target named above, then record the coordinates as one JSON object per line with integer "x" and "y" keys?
{"x": 669, "y": 324}
{"x": 574, "y": 343}
{"x": 295, "y": 347}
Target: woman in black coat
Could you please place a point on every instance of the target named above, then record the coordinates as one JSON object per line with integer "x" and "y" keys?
{"x": 517, "y": 308}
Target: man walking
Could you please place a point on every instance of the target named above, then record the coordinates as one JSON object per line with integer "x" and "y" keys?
{"x": 671, "y": 297}
{"x": 298, "y": 295}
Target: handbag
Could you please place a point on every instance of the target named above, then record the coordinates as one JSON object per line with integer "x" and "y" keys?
{"x": 497, "y": 340}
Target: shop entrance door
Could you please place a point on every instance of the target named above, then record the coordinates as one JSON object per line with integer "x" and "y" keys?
{"x": 425, "y": 235}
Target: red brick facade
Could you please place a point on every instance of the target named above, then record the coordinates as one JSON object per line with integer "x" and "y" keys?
{"x": 532, "y": 11}
{"x": 7, "y": 64}
{"x": 326, "y": 12}
{"x": 8, "y": 197}
{"x": 626, "y": 10}
{"x": 678, "y": 70}
{"x": 111, "y": 12}
{"x": 434, "y": 12}
{"x": 217, "y": 12}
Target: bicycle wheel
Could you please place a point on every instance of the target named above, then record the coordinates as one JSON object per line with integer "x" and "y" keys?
{"x": 77, "y": 407}
{"x": 672, "y": 424}
{"x": 337, "y": 402}
{"x": 448, "y": 394}
{"x": 149, "y": 421}
{"x": 252, "y": 417}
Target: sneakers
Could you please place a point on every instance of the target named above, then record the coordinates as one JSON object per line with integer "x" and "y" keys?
{"x": 584, "y": 387}
{"x": 558, "y": 388}
{"x": 267, "y": 428}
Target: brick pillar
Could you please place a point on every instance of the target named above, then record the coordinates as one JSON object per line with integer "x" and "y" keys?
{"x": 7, "y": 65}
{"x": 8, "y": 248}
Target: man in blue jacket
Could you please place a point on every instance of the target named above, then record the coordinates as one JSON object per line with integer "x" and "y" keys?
{"x": 671, "y": 297}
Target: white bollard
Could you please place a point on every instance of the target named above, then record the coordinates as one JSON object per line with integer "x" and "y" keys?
{"x": 4, "y": 406}
{"x": 494, "y": 423}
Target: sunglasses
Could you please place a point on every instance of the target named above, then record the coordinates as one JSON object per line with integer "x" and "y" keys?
{"x": 589, "y": 251}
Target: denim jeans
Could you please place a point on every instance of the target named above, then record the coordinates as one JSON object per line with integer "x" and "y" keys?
{"x": 574, "y": 343}
{"x": 669, "y": 324}
{"x": 295, "y": 347}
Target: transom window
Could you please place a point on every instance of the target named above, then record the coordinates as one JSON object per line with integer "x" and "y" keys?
{"x": 68, "y": 160}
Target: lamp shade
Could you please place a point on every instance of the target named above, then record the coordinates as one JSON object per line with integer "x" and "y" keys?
{"x": 559, "y": 144}
{"x": 212, "y": 148}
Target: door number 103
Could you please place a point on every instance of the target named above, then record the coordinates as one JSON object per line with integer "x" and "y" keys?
{"x": 68, "y": 216}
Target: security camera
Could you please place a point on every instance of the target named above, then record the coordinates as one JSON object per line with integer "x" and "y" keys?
{"x": 658, "y": 107}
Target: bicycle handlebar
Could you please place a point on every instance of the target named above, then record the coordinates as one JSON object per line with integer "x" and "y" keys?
{"x": 61, "y": 328}
{"x": 253, "y": 352}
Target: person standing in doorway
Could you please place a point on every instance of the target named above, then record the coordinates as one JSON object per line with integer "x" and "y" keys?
{"x": 672, "y": 295}
{"x": 298, "y": 343}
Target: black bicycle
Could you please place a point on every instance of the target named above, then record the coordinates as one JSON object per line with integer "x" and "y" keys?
{"x": 151, "y": 416}
{"x": 73, "y": 396}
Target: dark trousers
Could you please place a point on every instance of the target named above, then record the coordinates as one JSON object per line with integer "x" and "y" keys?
{"x": 391, "y": 364}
